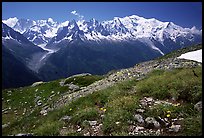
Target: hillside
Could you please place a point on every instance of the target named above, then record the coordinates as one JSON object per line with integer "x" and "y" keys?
{"x": 14, "y": 72}
{"x": 157, "y": 97}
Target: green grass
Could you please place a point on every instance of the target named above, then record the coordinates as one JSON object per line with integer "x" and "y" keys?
{"x": 117, "y": 104}
{"x": 120, "y": 110}
{"x": 192, "y": 126}
{"x": 85, "y": 114}
{"x": 179, "y": 83}
{"x": 24, "y": 97}
{"x": 48, "y": 128}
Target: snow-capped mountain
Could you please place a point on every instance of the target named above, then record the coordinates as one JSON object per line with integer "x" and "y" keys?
{"x": 74, "y": 47}
{"x": 39, "y": 32}
{"x": 129, "y": 28}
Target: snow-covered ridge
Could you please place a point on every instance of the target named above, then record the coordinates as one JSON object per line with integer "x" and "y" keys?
{"x": 39, "y": 32}
{"x": 119, "y": 29}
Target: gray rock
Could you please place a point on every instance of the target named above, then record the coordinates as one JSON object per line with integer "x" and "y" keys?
{"x": 39, "y": 103}
{"x": 151, "y": 122}
{"x": 150, "y": 99}
{"x": 175, "y": 128}
{"x": 73, "y": 87}
{"x": 78, "y": 130}
{"x": 143, "y": 103}
{"x": 43, "y": 112}
{"x": 92, "y": 123}
{"x": 66, "y": 118}
{"x": 140, "y": 110}
{"x": 138, "y": 128}
{"x": 62, "y": 83}
{"x": 198, "y": 106}
{"x": 139, "y": 118}
{"x": 5, "y": 125}
{"x": 87, "y": 134}
{"x": 24, "y": 134}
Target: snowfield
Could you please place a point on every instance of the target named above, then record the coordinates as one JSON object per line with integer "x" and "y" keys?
{"x": 194, "y": 55}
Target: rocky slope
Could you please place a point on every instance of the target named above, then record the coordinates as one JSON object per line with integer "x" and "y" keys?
{"x": 138, "y": 72}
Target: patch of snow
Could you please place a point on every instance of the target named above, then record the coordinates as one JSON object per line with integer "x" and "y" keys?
{"x": 51, "y": 32}
{"x": 34, "y": 38}
{"x": 194, "y": 55}
{"x": 35, "y": 29}
{"x": 64, "y": 23}
{"x": 7, "y": 37}
{"x": 50, "y": 20}
{"x": 42, "y": 45}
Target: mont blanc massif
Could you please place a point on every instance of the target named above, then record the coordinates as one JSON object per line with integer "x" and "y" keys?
{"x": 47, "y": 50}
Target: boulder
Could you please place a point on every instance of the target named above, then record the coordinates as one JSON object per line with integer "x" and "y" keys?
{"x": 175, "y": 128}
{"x": 73, "y": 87}
{"x": 151, "y": 123}
{"x": 198, "y": 106}
{"x": 66, "y": 118}
{"x": 39, "y": 103}
{"x": 92, "y": 123}
{"x": 139, "y": 118}
{"x": 5, "y": 125}
{"x": 43, "y": 112}
{"x": 24, "y": 134}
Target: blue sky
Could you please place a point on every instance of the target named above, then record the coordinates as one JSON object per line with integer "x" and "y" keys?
{"x": 185, "y": 14}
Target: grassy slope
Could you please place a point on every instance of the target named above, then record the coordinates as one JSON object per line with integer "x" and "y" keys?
{"x": 25, "y": 99}
{"x": 116, "y": 104}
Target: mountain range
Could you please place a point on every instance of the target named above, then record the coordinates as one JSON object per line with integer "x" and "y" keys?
{"x": 54, "y": 50}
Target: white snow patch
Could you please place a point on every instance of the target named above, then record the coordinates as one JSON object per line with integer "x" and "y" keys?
{"x": 64, "y": 24}
{"x": 51, "y": 32}
{"x": 194, "y": 55}
{"x": 7, "y": 37}
{"x": 34, "y": 38}
{"x": 50, "y": 20}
